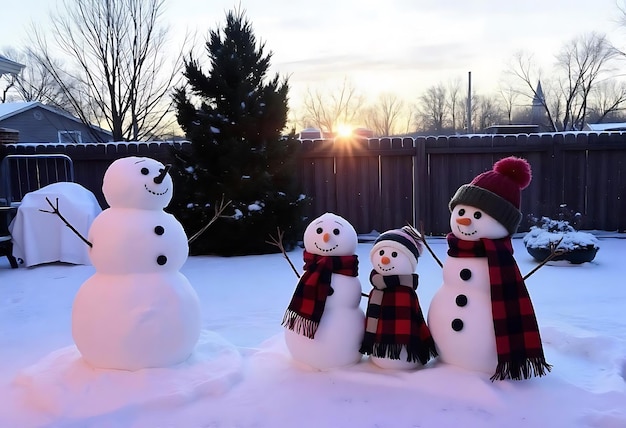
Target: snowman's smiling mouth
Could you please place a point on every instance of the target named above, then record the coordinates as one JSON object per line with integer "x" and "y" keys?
{"x": 466, "y": 233}
{"x": 156, "y": 193}
{"x": 387, "y": 269}
{"x": 324, "y": 249}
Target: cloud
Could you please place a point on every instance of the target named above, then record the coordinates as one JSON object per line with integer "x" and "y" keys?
{"x": 417, "y": 58}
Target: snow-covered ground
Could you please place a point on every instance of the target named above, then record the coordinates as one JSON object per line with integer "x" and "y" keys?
{"x": 241, "y": 374}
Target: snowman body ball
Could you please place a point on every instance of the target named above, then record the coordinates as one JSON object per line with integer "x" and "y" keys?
{"x": 137, "y": 311}
{"x": 396, "y": 335}
{"x": 324, "y": 323}
{"x": 482, "y": 318}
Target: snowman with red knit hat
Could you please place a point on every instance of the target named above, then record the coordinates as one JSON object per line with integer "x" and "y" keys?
{"x": 482, "y": 318}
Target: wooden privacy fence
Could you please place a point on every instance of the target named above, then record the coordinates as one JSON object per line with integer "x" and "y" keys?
{"x": 368, "y": 182}
{"x": 90, "y": 160}
{"x": 381, "y": 184}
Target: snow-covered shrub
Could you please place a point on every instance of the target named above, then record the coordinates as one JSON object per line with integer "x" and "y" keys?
{"x": 549, "y": 234}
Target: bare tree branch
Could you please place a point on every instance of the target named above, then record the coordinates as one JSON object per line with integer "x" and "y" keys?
{"x": 580, "y": 64}
{"x": 116, "y": 75}
{"x": 584, "y": 59}
{"x": 428, "y": 247}
{"x": 55, "y": 210}
{"x": 219, "y": 208}
{"x": 454, "y": 102}
{"x": 278, "y": 242}
{"x": 606, "y": 99}
{"x": 525, "y": 69}
{"x": 383, "y": 117}
{"x": 433, "y": 108}
{"x": 554, "y": 252}
{"x": 326, "y": 110}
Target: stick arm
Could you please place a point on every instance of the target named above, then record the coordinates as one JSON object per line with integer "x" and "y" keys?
{"x": 55, "y": 210}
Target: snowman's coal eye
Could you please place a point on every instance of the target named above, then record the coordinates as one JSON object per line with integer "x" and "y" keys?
{"x": 381, "y": 253}
{"x": 394, "y": 254}
{"x": 336, "y": 231}
{"x": 478, "y": 215}
{"x": 145, "y": 171}
{"x": 319, "y": 230}
{"x": 461, "y": 212}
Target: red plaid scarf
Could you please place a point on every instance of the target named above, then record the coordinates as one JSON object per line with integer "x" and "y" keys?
{"x": 520, "y": 353}
{"x": 394, "y": 320}
{"x": 309, "y": 299}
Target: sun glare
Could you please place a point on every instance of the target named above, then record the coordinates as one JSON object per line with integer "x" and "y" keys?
{"x": 344, "y": 130}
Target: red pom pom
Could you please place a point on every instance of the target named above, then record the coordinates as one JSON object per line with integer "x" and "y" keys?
{"x": 517, "y": 169}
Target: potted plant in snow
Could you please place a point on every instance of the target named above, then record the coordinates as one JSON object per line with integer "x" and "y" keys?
{"x": 559, "y": 238}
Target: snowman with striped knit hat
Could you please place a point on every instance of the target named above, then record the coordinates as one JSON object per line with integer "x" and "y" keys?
{"x": 396, "y": 335}
{"x": 482, "y": 318}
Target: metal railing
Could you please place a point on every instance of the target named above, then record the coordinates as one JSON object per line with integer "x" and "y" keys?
{"x": 20, "y": 174}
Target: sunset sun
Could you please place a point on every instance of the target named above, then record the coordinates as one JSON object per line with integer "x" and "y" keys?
{"x": 344, "y": 130}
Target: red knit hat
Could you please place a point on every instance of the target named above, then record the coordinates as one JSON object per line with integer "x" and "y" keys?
{"x": 498, "y": 192}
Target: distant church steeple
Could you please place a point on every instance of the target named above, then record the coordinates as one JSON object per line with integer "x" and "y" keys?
{"x": 538, "y": 114}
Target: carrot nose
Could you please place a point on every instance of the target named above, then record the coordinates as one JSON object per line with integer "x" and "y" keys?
{"x": 326, "y": 237}
{"x": 464, "y": 221}
{"x": 385, "y": 260}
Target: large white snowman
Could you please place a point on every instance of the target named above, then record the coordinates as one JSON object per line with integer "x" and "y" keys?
{"x": 137, "y": 311}
{"x": 482, "y": 318}
{"x": 324, "y": 323}
{"x": 396, "y": 334}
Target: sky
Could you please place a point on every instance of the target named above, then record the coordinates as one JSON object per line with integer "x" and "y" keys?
{"x": 398, "y": 46}
{"x": 241, "y": 374}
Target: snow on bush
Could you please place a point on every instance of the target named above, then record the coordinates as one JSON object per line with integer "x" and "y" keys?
{"x": 547, "y": 232}
{"x": 542, "y": 238}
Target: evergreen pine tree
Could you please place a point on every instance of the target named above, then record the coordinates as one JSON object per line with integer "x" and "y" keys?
{"x": 234, "y": 118}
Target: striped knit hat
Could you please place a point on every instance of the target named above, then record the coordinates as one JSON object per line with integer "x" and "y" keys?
{"x": 405, "y": 240}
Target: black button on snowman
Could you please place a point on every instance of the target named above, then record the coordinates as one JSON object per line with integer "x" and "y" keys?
{"x": 137, "y": 310}
{"x": 482, "y": 318}
{"x": 461, "y": 300}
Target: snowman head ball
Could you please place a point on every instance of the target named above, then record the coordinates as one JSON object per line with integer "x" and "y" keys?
{"x": 395, "y": 252}
{"x": 330, "y": 235}
{"x": 137, "y": 182}
{"x": 496, "y": 192}
{"x": 473, "y": 224}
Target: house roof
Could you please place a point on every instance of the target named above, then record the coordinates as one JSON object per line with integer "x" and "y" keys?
{"x": 614, "y": 126}
{"x": 7, "y": 66}
{"x": 11, "y": 109}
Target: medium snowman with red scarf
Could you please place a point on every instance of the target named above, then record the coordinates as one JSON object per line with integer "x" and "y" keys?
{"x": 324, "y": 323}
{"x": 482, "y": 318}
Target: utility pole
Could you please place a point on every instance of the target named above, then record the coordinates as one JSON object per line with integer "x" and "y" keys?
{"x": 469, "y": 102}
